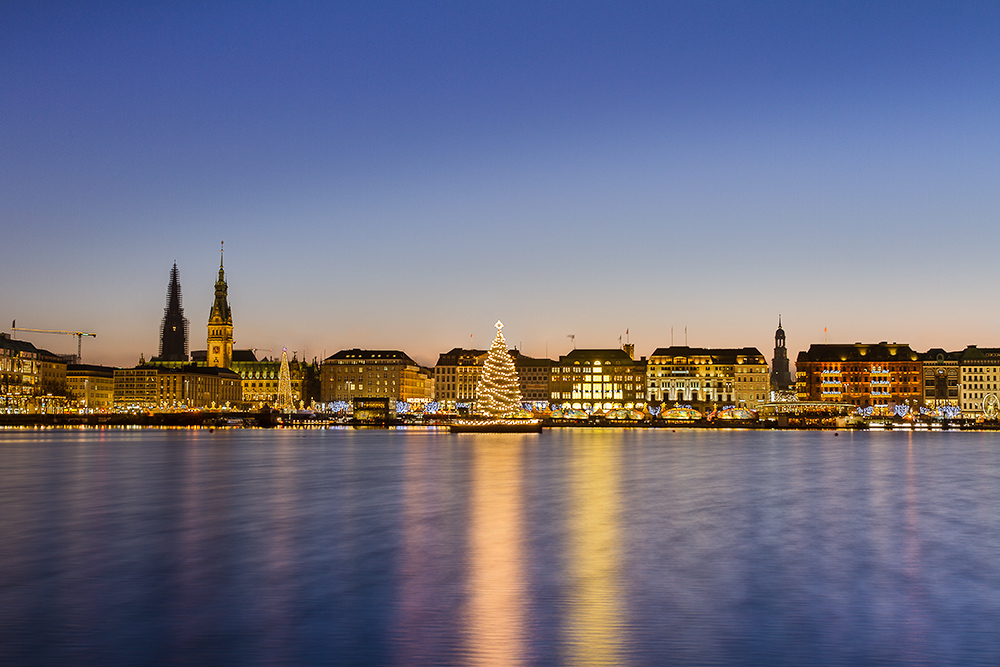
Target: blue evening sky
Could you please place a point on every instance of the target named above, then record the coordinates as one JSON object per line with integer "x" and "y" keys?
{"x": 402, "y": 175}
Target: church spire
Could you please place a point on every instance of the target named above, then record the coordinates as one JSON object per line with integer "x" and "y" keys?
{"x": 781, "y": 376}
{"x": 220, "y": 324}
{"x": 174, "y": 328}
{"x": 220, "y": 308}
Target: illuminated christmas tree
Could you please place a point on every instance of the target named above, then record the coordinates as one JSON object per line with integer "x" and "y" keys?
{"x": 284, "y": 398}
{"x": 499, "y": 392}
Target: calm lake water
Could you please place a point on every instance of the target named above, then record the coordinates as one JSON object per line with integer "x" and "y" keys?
{"x": 416, "y": 547}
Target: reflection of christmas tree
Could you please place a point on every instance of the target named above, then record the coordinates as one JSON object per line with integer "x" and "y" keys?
{"x": 498, "y": 393}
{"x": 284, "y": 398}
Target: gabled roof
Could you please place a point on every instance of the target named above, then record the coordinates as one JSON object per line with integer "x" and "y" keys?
{"x": 7, "y": 343}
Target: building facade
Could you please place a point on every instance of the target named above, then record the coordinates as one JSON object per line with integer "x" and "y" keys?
{"x": 941, "y": 375}
{"x": 198, "y": 388}
{"x": 708, "y": 378}
{"x": 20, "y": 371}
{"x": 533, "y": 376}
{"x": 148, "y": 388}
{"x": 260, "y": 379}
{"x": 351, "y": 374}
{"x": 979, "y": 382}
{"x": 456, "y": 377}
{"x": 92, "y": 387}
{"x": 597, "y": 379}
{"x": 878, "y": 375}
{"x": 137, "y": 389}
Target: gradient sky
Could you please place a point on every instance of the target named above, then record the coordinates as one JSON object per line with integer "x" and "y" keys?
{"x": 401, "y": 175}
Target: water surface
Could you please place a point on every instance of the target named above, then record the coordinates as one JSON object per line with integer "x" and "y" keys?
{"x": 412, "y": 547}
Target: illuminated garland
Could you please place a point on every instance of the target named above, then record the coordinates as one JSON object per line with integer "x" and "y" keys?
{"x": 284, "y": 398}
{"x": 949, "y": 411}
{"x": 499, "y": 392}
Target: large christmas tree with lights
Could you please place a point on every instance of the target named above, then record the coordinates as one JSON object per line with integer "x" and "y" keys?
{"x": 499, "y": 392}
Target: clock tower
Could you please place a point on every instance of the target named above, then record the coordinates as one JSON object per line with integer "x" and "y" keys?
{"x": 220, "y": 325}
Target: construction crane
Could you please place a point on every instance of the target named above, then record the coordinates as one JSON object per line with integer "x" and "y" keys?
{"x": 79, "y": 338}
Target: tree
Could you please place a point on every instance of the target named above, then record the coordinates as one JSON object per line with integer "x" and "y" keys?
{"x": 499, "y": 393}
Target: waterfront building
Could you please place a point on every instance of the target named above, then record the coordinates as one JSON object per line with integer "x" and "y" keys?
{"x": 979, "y": 382}
{"x": 781, "y": 376}
{"x": 456, "y": 377}
{"x": 533, "y": 376}
{"x": 137, "y": 389}
{"x": 708, "y": 378}
{"x": 220, "y": 325}
{"x": 941, "y": 377}
{"x": 356, "y": 373}
{"x": 174, "y": 327}
{"x": 20, "y": 369}
{"x": 92, "y": 387}
{"x": 880, "y": 376}
{"x": 598, "y": 380}
{"x": 52, "y": 373}
{"x": 261, "y": 378}
{"x": 152, "y": 388}
{"x": 198, "y": 387}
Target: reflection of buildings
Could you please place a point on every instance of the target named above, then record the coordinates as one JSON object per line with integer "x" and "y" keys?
{"x": 456, "y": 376}
{"x": 605, "y": 379}
{"x": 496, "y": 627}
{"x": 705, "y": 377}
{"x": 877, "y": 375}
{"x": 594, "y": 619}
{"x": 351, "y": 374}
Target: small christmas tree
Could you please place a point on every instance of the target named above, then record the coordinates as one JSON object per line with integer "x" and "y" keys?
{"x": 499, "y": 393}
{"x": 284, "y": 398}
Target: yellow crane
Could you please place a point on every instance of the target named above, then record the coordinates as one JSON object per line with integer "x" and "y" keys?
{"x": 79, "y": 338}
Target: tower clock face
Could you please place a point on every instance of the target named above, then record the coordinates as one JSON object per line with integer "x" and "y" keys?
{"x": 215, "y": 349}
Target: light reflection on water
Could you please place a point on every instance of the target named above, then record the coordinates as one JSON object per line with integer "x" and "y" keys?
{"x": 572, "y": 547}
{"x": 593, "y": 560}
{"x": 496, "y": 632}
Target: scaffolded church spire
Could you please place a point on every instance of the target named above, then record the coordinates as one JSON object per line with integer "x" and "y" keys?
{"x": 174, "y": 328}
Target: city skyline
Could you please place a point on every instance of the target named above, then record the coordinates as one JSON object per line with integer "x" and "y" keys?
{"x": 390, "y": 177}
